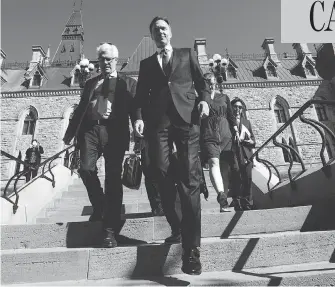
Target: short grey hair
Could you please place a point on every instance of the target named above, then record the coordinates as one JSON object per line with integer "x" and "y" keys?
{"x": 105, "y": 47}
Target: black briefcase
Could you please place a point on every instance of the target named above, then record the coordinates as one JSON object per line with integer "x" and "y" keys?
{"x": 132, "y": 172}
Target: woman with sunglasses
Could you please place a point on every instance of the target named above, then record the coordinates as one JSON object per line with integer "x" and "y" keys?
{"x": 217, "y": 132}
{"x": 242, "y": 195}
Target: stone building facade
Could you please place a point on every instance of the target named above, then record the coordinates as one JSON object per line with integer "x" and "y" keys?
{"x": 38, "y": 97}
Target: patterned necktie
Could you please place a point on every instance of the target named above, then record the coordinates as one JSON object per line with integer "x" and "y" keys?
{"x": 166, "y": 62}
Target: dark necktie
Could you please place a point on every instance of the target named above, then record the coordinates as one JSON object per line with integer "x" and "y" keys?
{"x": 166, "y": 62}
{"x": 105, "y": 87}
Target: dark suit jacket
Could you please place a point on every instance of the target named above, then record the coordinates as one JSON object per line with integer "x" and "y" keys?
{"x": 153, "y": 86}
{"x": 122, "y": 105}
{"x": 246, "y": 146}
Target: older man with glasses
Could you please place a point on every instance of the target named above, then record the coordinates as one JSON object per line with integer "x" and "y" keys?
{"x": 101, "y": 126}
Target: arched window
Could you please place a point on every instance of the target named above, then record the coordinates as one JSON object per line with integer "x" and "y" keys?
{"x": 329, "y": 150}
{"x": 294, "y": 146}
{"x": 321, "y": 113}
{"x": 36, "y": 79}
{"x": 29, "y": 124}
{"x": 285, "y": 153}
{"x": 309, "y": 69}
{"x": 279, "y": 113}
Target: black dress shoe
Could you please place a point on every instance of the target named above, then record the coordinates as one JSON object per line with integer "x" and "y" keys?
{"x": 175, "y": 238}
{"x": 109, "y": 240}
{"x": 191, "y": 262}
{"x": 245, "y": 203}
{"x": 237, "y": 204}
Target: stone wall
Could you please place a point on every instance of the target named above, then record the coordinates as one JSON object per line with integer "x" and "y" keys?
{"x": 53, "y": 113}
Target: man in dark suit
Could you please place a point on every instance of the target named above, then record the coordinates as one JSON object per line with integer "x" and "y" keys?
{"x": 166, "y": 101}
{"x": 101, "y": 126}
{"x": 243, "y": 152}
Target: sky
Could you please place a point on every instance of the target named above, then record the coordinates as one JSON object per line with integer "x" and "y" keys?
{"x": 237, "y": 25}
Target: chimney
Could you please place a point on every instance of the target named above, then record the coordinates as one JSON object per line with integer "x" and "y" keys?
{"x": 200, "y": 49}
{"x": 47, "y": 57}
{"x": 270, "y": 49}
{"x": 38, "y": 54}
{"x": 302, "y": 50}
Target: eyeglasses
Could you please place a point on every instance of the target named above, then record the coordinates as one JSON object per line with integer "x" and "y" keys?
{"x": 108, "y": 60}
{"x": 238, "y": 107}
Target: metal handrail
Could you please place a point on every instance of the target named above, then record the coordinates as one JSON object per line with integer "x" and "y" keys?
{"x": 313, "y": 123}
{"x": 27, "y": 168}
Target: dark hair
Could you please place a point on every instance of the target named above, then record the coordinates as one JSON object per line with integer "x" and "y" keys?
{"x": 156, "y": 19}
{"x": 235, "y": 100}
{"x": 34, "y": 141}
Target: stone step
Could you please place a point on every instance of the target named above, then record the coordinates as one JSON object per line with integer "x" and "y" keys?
{"x": 131, "y": 205}
{"x": 149, "y": 229}
{"x": 233, "y": 253}
{"x": 317, "y": 274}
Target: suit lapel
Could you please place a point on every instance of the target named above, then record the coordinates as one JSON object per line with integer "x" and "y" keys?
{"x": 94, "y": 85}
{"x": 175, "y": 59}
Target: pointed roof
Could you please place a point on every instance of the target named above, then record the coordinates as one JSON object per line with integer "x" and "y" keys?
{"x": 70, "y": 47}
{"x": 145, "y": 49}
{"x": 75, "y": 19}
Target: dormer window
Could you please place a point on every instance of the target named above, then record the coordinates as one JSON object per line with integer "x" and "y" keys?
{"x": 37, "y": 79}
{"x": 63, "y": 49}
{"x": 231, "y": 72}
{"x": 72, "y": 48}
{"x": 75, "y": 30}
{"x": 271, "y": 71}
{"x": 67, "y": 30}
{"x": 76, "y": 78}
{"x": 309, "y": 69}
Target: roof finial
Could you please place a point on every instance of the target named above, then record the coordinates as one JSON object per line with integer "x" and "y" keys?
{"x": 227, "y": 54}
{"x": 81, "y": 5}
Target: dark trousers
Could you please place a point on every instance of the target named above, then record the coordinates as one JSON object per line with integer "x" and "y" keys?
{"x": 93, "y": 142}
{"x": 31, "y": 174}
{"x": 240, "y": 175}
{"x": 150, "y": 181}
{"x": 186, "y": 138}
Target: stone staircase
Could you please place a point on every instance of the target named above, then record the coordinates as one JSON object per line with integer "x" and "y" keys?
{"x": 281, "y": 246}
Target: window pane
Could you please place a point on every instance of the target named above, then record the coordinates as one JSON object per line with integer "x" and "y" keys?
{"x": 25, "y": 127}
{"x": 37, "y": 79}
{"x": 31, "y": 127}
{"x": 321, "y": 113}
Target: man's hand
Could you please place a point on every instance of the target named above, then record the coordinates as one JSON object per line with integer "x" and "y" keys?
{"x": 203, "y": 109}
{"x": 237, "y": 137}
{"x": 139, "y": 128}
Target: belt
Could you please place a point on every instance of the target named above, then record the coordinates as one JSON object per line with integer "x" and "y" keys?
{"x": 101, "y": 122}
